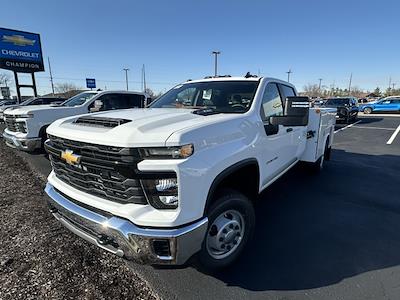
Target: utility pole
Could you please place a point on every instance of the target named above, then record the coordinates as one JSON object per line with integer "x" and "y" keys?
{"x": 288, "y": 75}
{"x": 51, "y": 75}
{"x": 351, "y": 77}
{"x": 144, "y": 78}
{"x": 216, "y": 53}
{"x": 126, "y": 77}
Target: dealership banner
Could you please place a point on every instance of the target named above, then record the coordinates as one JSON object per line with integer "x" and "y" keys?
{"x": 20, "y": 51}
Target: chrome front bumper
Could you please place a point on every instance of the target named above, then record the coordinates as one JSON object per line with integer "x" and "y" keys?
{"x": 123, "y": 238}
{"x": 21, "y": 143}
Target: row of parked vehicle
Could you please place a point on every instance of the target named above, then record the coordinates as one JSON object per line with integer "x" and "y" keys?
{"x": 158, "y": 185}
{"x": 349, "y": 107}
{"x": 26, "y": 123}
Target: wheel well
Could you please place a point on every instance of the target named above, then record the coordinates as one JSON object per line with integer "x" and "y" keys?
{"x": 243, "y": 177}
{"x": 42, "y": 131}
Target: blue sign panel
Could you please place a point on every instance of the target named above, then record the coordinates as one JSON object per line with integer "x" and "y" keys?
{"x": 90, "y": 83}
{"x": 20, "y": 51}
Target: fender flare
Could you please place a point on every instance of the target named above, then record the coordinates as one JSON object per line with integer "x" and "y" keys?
{"x": 225, "y": 173}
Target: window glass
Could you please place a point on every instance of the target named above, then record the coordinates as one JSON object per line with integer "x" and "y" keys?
{"x": 220, "y": 96}
{"x": 134, "y": 101}
{"x": 79, "y": 99}
{"x": 287, "y": 91}
{"x": 36, "y": 102}
{"x": 111, "y": 101}
{"x": 271, "y": 102}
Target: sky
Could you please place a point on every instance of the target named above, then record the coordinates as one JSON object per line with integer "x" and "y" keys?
{"x": 174, "y": 39}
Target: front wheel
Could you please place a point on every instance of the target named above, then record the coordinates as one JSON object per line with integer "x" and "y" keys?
{"x": 367, "y": 110}
{"x": 231, "y": 220}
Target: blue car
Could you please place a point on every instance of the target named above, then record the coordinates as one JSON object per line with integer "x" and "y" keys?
{"x": 389, "y": 104}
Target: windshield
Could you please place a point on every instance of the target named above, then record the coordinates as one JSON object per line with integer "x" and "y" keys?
{"x": 78, "y": 99}
{"x": 221, "y": 96}
{"x": 27, "y": 101}
{"x": 339, "y": 101}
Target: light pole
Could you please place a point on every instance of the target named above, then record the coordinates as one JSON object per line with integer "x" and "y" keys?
{"x": 216, "y": 53}
{"x": 319, "y": 86}
{"x": 288, "y": 75}
{"x": 126, "y": 77}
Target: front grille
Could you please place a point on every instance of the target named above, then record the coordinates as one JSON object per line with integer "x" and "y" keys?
{"x": 13, "y": 125}
{"x": 103, "y": 171}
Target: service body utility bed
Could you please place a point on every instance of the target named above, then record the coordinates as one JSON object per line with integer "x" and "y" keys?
{"x": 321, "y": 125}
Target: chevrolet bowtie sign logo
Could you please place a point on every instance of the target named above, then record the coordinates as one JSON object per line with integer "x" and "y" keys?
{"x": 70, "y": 158}
{"x": 18, "y": 40}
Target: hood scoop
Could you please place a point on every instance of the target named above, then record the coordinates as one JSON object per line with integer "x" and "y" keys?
{"x": 101, "y": 122}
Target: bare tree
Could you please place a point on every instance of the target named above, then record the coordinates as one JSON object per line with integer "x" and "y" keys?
{"x": 67, "y": 89}
{"x": 152, "y": 94}
{"x": 312, "y": 90}
{"x": 5, "y": 79}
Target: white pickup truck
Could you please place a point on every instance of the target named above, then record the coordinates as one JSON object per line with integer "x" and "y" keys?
{"x": 26, "y": 125}
{"x": 161, "y": 184}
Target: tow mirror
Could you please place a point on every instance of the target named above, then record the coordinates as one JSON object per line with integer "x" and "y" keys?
{"x": 295, "y": 113}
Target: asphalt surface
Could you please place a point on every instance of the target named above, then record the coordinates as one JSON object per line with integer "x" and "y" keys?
{"x": 329, "y": 236}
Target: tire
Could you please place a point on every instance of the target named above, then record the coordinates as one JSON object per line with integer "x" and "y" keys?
{"x": 231, "y": 222}
{"x": 367, "y": 110}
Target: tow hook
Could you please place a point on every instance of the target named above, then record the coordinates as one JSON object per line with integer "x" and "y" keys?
{"x": 52, "y": 209}
{"x": 106, "y": 240}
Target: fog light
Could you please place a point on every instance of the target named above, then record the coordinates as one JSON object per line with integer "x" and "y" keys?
{"x": 162, "y": 193}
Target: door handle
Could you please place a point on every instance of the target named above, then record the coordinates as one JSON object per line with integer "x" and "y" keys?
{"x": 289, "y": 129}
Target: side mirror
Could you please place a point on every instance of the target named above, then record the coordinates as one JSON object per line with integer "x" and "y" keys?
{"x": 295, "y": 113}
{"x": 98, "y": 104}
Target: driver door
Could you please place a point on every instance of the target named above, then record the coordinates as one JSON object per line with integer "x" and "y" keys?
{"x": 275, "y": 142}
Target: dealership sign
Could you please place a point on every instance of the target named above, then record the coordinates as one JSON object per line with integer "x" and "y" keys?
{"x": 90, "y": 83}
{"x": 20, "y": 51}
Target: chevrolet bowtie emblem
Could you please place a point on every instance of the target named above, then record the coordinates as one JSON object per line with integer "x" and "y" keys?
{"x": 70, "y": 157}
{"x": 18, "y": 40}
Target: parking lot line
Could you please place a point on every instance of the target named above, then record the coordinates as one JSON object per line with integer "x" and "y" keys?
{"x": 348, "y": 126}
{"x": 371, "y": 127}
{"x": 390, "y": 141}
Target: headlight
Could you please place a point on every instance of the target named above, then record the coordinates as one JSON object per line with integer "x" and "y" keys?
{"x": 167, "y": 152}
{"x": 25, "y": 116}
{"x": 162, "y": 193}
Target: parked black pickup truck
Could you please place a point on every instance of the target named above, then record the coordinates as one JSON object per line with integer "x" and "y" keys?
{"x": 347, "y": 108}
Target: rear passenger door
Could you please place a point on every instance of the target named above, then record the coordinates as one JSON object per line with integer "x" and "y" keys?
{"x": 297, "y": 133}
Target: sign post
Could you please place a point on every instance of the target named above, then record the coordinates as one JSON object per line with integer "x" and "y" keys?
{"x": 90, "y": 83}
{"x": 21, "y": 52}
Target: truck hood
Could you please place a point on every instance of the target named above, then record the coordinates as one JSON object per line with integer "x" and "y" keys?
{"x": 20, "y": 110}
{"x": 149, "y": 127}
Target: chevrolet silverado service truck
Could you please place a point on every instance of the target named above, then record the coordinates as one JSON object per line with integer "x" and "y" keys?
{"x": 26, "y": 125}
{"x": 161, "y": 184}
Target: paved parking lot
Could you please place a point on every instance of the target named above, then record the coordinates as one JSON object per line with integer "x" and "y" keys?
{"x": 329, "y": 236}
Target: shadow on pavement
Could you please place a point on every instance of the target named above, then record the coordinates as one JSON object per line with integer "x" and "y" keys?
{"x": 313, "y": 230}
